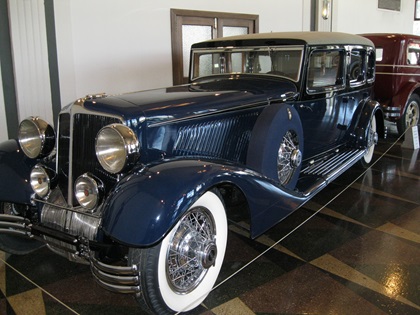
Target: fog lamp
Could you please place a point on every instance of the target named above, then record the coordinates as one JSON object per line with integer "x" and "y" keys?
{"x": 88, "y": 190}
{"x": 40, "y": 181}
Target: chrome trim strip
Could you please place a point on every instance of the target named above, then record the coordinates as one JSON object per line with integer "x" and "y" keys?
{"x": 397, "y": 66}
{"x": 240, "y": 107}
{"x": 401, "y": 74}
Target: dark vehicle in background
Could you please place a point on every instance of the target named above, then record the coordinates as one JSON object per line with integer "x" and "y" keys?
{"x": 141, "y": 186}
{"x": 397, "y": 84}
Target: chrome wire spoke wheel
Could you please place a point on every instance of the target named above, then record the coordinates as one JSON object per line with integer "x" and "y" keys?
{"x": 289, "y": 157}
{"x": 192, "y": 250}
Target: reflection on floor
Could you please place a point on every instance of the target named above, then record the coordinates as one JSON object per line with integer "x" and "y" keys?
{"x": 359, "y": 255}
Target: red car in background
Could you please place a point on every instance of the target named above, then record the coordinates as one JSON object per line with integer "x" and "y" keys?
{"x": 397, "y": 84}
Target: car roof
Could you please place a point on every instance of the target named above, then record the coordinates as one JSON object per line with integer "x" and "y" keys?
{"x": 309, "y": 38}
{"x": 390, "y": 36}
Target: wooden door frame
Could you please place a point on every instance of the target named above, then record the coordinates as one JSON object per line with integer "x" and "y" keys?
{"x": 176, "y": 32}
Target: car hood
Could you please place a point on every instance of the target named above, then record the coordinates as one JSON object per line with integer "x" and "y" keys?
{"x": 199, "y": 98}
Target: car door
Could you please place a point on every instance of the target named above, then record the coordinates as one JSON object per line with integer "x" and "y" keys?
{"x": 321, "y": 108}
{"x": 360, "y": 74}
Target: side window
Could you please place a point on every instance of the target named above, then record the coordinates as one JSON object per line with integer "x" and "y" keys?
{"x": 371, "y": 65}
{"x": 325, "y": 71}
{"x": 379, "y": 53}
{"x": 413, "y": 57}
{"x": 357, "y": 67}
{"x": 208, "y": 64}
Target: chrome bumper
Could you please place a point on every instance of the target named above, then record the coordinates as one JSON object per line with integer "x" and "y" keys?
{"x": 391, "y": 112}
{"x": 120, "y": 279}
{"x": 15, "y": 225}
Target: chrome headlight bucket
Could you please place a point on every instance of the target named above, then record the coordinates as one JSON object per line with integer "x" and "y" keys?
{"x": 89, "y": 191}
{"x": 117, "y": 147}
{"x": 36, "y": 137}
{"x": 42, "y": 180}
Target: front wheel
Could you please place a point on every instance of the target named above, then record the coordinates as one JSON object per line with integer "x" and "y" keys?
{"x": 15, "y": 244}
{"x": 178, "y": 274}
{"x": 410, "y": 116}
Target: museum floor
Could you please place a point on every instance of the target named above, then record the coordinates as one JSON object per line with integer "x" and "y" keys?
{"x": 360, "y": 254}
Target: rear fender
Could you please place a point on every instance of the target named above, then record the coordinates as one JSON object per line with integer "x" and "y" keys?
{"x": 400, "y": 99}
{"x": 359, "y": 129}
{"x": 15, "y": 170}
{"x": 146, "y": 204}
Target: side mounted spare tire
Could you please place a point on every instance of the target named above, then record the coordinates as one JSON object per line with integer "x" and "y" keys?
{"x": 276, "y": 145}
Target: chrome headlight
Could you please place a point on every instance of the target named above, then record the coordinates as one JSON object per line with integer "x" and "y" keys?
{"x": 117, "y": 147}
{"x": 40, "y": 179}
{"x": 36, "y": 137}
{"x": 88, "y": 190}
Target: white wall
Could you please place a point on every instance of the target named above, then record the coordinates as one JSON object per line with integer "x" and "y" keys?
{"x": 120, "y": 46}
{"x": 30, "y": 58}
{"x": 363, "y": 16}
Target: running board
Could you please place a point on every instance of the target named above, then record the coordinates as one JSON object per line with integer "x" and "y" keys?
{"x": 328, "y": 169}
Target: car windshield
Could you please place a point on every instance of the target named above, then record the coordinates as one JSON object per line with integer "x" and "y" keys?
{"x": 279, "y": 61}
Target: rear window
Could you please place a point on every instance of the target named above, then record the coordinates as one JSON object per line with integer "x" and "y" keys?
{"x": 413, "y": 54}
{"x": 379, "y": 54}
{"x": 325, "y": 71}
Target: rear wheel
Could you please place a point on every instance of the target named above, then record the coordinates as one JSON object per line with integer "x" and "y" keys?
{"x": 179, "y": 273}
{"x": 15, "y": 244}
{"x": 372, "y": 140}
{"x": 410, "y": 117}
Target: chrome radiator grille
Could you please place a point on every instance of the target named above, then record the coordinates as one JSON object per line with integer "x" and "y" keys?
{"x": 226, "y": 138}
{"x": 78, "y": 149}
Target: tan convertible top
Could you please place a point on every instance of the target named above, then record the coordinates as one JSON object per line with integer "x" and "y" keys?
{"x": 311, "y": 38}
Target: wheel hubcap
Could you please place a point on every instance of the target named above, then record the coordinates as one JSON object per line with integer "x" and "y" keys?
{"x": 192, "y": 251}
{"x": 209, "y": 255}
{"x": 289, "y": 157}
{"x": 295, "y": 158}
{"x": 412, "y": 116}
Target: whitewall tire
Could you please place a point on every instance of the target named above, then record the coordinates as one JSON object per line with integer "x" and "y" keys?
{"x": 178, "y": 274}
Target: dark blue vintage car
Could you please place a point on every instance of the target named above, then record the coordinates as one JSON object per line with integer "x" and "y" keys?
{"x": 141, "y": 186}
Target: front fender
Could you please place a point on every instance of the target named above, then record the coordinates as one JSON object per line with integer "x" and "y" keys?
{"x": 15, "y": 169}
{"x": 146, "y": 204}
